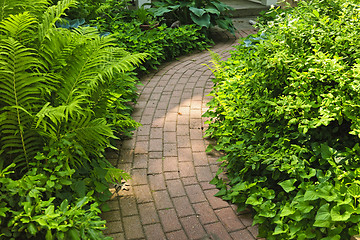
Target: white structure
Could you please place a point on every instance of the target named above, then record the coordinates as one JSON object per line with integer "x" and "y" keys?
{"x": 268, "y": 2}
{"x": 142, "y": 2}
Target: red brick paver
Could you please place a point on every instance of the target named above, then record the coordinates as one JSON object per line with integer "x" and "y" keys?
{"x": 169, "y": 196}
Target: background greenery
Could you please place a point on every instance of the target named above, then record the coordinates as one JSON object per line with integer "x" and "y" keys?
{"x": 285, "y": 110}
{"x": 162, "y": 43}
{"x": 203, "y": 13}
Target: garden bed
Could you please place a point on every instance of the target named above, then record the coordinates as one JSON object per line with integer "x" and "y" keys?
{"x": 285, "y": 111}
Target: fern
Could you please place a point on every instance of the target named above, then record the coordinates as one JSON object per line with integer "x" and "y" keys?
{"x": 19, "y": 90}
{"x": 20, "y": 27}
{"x": 53, "y": 14}
{"x": 8, "y": 7}
{"x": 58, "y": 48}
{"x": 52, "y": 82}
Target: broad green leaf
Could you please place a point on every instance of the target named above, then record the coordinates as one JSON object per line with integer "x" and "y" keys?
{"x": 294, "y": 229}
{"x": 203, "y": 21}
{"x": 49, "y": 235}
{"x": 219, "y": 6}
{"x": 212, "y": 10}
{"x": 65, "y": 181}
{"x": 288, "y": 185}
{"x": 268, "y": 209}
{"x": 281, "y": 228}
{"x": 323, "y": 218}
{"x": 42, "y": 221}
{"x": 354, "y": 218}
{"x": 310, "y": 195}
{"x": 304, "y": 207}
{"x": 354, "y": 190}
{"x": 215, "y": 180}
{"x": 3, "y": 211}
{"x": 32, "y": 229}
{"x": 316, "y": 13}
{"x": 197, "y": 11}
{"x": 73, "y": 234}
{"x": 64, "y": 206}
{"x": 287, "y": 210}
{"x": 100, "y": 187}
{"x": 268, "y": 193}
{"x": 327, "y": 192}
{"x": 209, "y": 148}
{"x": 82, "y": 202}
{"x": 28, "y": 207}
{"x": 341, "y": 213}
{"x": 312, "y": 173}
{"x": 50, "y": 184}
{"x": 161, "y": 11}
{"x": 225, "y": 24}
{"x": 326, "y": 151}
{"x": 254, "y": 200}
{"x": 49, "y": 210}
{"x": 220, "y": 193}
{"x": 34, "y": 193}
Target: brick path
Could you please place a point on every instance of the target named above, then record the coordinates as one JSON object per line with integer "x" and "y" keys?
{"x": 169, "y": 196}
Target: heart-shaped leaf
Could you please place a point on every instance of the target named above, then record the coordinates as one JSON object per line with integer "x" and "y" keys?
{"x": 203, "y": 21}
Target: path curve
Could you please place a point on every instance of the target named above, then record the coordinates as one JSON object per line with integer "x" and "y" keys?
{"x": 169, "y": 196}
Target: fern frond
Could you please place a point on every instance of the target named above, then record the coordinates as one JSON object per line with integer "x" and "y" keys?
{"x": 83, "y": 75}
{"x": 116, "y": 175}
{"x": 53, "y": 14}
{"x": 94, "y": 64}
{"x": 126, "y": 61}
{"x": 102, "y": 8}
{"x": 57, "y": 115}
{"x": 91, "y": 130}
{"x": 20, "y": 27}
{"x": 58, "y": 47}
{"x": 36, "y": 7}
{"x": 19, "y": 88}
{"x": 92, "y": 133}
{"x": 122, "y": 61}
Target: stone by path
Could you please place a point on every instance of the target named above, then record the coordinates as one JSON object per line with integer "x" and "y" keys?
{"x": 169, "y": 196}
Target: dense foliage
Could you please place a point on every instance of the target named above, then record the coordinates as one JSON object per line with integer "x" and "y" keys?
{"x": 162, "y": 43}
{"x": 63, "y": 95}
{"x": 285, "y": 110}
{"x": 91, "y": 9}
{"x": 204, "y": 13}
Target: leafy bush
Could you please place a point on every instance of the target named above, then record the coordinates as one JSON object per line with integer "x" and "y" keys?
{"x": 161, "y": 44}
{"x": 29, "y": 208}
{"x": 206, "y": 14}
{"x": 286, "y": 113}
{"x": 61, "y": 91}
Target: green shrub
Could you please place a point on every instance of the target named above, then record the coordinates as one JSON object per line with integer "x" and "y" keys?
{"x": 161, "y": 43}
{"x": 286, "y": 113}
{"x": 30, "y": 207}
{"x": 63, "y": 93}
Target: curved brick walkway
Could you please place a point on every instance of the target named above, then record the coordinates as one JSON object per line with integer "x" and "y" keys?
{"x": 169, "y": 196}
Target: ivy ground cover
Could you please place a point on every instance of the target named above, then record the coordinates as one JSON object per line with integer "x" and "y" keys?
{"x": 285, "y": 110}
